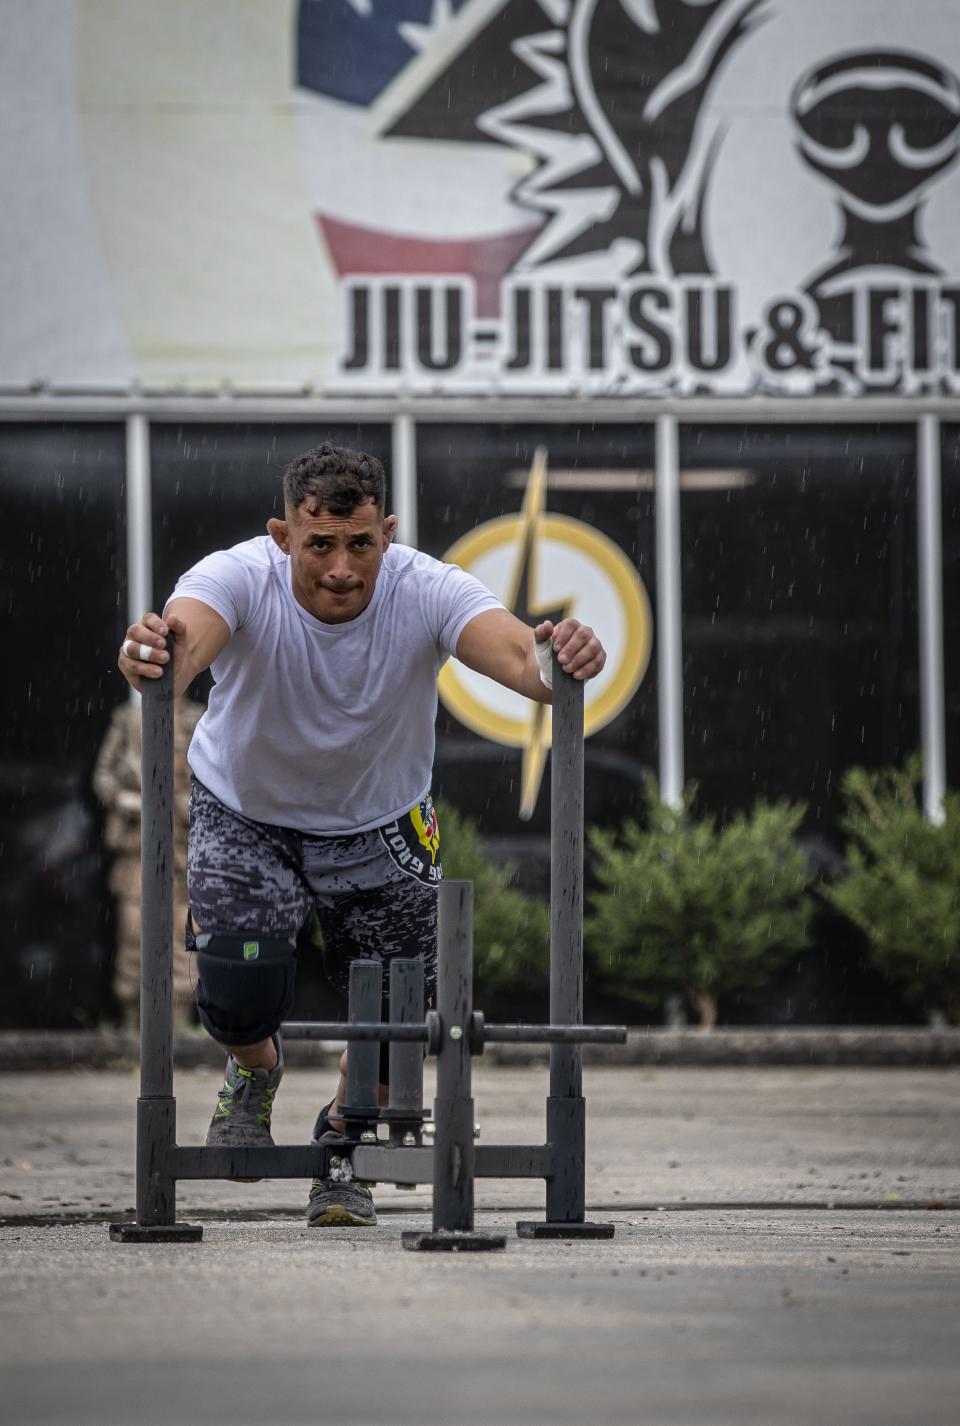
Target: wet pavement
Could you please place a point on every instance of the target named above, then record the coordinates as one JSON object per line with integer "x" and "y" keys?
{"x": 779, "y": 1258}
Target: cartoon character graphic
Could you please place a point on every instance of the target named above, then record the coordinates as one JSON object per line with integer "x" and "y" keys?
{"x": 880, "y": 128}
{"x": 631, "y": 163}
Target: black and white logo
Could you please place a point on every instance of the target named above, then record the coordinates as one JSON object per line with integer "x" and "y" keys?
{"x": 645, "y": 196}
{"x": 880, "y": 129}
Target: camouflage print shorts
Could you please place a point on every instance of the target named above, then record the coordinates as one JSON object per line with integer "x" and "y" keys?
{"x": 373, "y": 893}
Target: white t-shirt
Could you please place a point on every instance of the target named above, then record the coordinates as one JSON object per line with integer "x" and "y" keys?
{"x": 326, "y": 728}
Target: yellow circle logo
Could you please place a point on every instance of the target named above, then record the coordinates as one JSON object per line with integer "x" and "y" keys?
{"x": 557, "y": 567}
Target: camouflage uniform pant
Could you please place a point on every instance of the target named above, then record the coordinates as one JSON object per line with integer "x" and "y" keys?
{"x": 126, "y": 973}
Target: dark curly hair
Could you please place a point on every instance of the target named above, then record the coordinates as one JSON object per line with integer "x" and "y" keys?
{"x": 337, "y": 478}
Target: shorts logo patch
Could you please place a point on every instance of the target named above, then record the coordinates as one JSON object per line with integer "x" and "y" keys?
{"x": 251, "y": 950}
{"x": 413, "y": 842}
{"x": 424, "y": 819}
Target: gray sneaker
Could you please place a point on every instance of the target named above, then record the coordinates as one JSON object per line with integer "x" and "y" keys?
{"x": 340, "y": 1205}
{"x": 244, "y": 1106}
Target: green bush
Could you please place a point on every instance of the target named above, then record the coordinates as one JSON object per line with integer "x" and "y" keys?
{"x": 511, "y": 930}
{"x": 686, "y": 907}
{"x": 903, "y": 887}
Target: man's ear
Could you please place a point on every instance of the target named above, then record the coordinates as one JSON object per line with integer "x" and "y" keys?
{"x": 389, "y": 530}
{"x": 279, "y": 532}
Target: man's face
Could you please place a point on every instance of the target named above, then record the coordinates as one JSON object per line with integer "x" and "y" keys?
{"x": 334, "y": 559}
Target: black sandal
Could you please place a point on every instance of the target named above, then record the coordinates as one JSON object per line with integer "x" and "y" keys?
{"x": 325, "y": 1133}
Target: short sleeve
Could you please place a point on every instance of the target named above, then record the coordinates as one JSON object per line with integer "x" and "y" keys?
{"x": 225, "y": 583}
{"x": 459, "y": 597}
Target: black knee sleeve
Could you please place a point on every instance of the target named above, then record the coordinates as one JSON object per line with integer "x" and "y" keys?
{"x": 244, "y": 985}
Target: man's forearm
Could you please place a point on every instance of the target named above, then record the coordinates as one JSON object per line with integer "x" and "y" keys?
{"x": 184, "y": 674}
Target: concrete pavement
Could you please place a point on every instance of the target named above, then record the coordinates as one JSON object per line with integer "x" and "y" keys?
{"x": 737, "y": 1047}
{"x": 782, "y": 1314}
{"x": 655, "y": 1136}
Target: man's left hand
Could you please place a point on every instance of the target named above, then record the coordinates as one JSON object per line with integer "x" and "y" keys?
{"x": 579, "y": 651}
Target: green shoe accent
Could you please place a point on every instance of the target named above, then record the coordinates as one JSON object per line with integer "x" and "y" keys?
{"x": 245, "y": 1105}
{"x": 340, "y": 1205}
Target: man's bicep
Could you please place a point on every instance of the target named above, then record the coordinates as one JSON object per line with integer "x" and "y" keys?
{"x": 496, "y": 643}
{"x": 207, "y": 631}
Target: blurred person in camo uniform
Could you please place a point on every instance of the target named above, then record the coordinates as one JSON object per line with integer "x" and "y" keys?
{"x": 116, "y": 781}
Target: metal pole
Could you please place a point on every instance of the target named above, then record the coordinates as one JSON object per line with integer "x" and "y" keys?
{"x": 337, "y": 1030}
{"x": 156, "y": 887}
{"x": 453, "y": 1145}
{"x": 559, "y": 1034}
{"x": 453, "y": 1110}
{"x": 406, "y": 1059}
{"x": 669, "y": 638}
{"x": 566, "y": 1110}
{"x": 362, "y": 1108}
{"x": 930, "y": 572}
{"x": 566, "y": 1106}
{"x": 139, "y": 520}
{"x": 156, "y": 1107}
{"x": 404, "y": 473}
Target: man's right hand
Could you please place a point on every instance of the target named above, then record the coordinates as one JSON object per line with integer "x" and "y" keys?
{"x": 143, "y": 652}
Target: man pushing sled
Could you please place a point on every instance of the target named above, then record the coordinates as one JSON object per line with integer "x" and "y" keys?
{"x": 312, "y": 764}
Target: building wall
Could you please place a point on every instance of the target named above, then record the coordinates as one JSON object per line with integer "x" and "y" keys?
{"x": 800, "y": 629}
{"x": 671, "y": 288}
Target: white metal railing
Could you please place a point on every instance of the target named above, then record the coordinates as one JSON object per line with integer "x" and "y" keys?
{"x": 933, "y": 739}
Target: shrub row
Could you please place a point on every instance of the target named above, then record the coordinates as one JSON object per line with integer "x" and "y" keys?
{"x": 686, "y": 906}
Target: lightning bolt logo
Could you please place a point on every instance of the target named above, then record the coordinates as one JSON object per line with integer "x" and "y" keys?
{"x": 522, "y": 601}
{"x": 517, "y": 556}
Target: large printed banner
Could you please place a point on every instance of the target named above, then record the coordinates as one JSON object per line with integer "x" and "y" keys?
{"x": 484, "y": 196}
